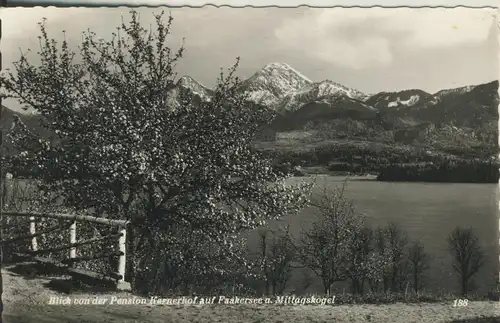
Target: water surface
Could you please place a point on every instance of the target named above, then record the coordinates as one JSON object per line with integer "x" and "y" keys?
{"x": 427, "y": 212}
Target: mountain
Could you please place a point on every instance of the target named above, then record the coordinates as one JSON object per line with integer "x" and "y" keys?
{"x": 277, "y": 86}
{"x": 323, "y": 110}
{"x": 273, "y": 83}
{"x": 195, "y": 87}
{"x": 9, "y": 120}
{"x": 471, "y": 106}
{"x": 304, "y": 104}
{"x": 340, "y": 128}
{"x": 192, "y": 88}
{"x": 401, "y": 99}
{"x": 456, "y": 91}
{"x": 327, "y": 89}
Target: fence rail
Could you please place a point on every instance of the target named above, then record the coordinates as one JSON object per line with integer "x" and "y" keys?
{"x": 121, "y": 238}
{"x": 75, "y": 217}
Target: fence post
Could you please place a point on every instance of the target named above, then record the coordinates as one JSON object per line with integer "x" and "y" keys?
{"x": 72, "y": 239}
{"x": 34, "y": 244}
{"x": 122, "y": 261}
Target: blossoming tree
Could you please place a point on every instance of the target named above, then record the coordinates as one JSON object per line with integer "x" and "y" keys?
{"x": 120, "y": 148}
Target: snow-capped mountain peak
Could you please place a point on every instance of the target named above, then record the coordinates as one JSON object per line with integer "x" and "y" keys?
{"x": 273, "y": 82}
{"x": 195, "y": 87}
{"x": 277, "y": 68}
{"x": 316, "y": 91}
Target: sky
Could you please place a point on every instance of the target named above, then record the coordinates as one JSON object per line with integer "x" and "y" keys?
{"x": 369, "y": 49}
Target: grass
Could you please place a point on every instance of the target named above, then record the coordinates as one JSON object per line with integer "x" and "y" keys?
{"x": 478, "y": 312}
{"x": 407, "y": 298}
{"x": 395, "y": 298}
{"x": 492, "y": 319}
{"x": 33, "y": 294}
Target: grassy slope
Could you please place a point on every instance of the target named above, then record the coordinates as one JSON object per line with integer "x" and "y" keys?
{"x": 26, "y": 301}
{"x": 421, "y": 313}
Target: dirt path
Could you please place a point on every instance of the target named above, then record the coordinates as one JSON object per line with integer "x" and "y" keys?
{"x": 26, "y": 300}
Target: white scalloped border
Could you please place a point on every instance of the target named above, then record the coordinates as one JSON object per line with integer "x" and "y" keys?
{"x": 260, "y": 3}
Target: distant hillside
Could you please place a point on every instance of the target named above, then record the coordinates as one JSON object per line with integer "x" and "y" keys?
{"x": 401, "y": 99}
{"x": 325, "y": 90}
{"x": 474, "y": 107}
{"x": 8, "y": 121}
{"x": 323, "y": 110}
{"x": 451, "y": 92}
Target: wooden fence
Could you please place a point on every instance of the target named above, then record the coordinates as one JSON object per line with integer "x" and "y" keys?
{"x": 114, "y": 279}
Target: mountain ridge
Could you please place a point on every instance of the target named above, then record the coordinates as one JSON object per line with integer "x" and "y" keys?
{"x": 302, "y": 103}
{"x": 284, "y": 89}
{"x": 281, "y": 87}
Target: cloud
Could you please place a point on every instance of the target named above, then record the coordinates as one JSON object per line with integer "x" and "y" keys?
{"x": 431, "y": 28}
{"x": 26, "y": 19}
{"x": 205, "y": 28}
{"x": 361, "y": 38}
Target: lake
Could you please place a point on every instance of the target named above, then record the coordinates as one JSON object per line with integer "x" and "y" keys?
{"x": 427, "y": 212}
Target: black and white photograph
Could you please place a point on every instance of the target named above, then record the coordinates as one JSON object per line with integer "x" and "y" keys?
{"x": 250, "y": 165}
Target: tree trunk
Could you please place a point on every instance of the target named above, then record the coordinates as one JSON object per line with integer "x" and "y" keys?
{"x": 386, "y": 284}
{"x": 132, "y": 254}
{"x": 327, "y": 287}
{"x": 394, "y": 279}
{"x": 464, "y": 285}
{"x": 415, "y": 281}
{"x": 373, "y": 285}
{"x": 355, "y": 286}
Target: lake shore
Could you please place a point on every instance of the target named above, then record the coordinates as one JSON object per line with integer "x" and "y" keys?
{"x": 395, "y": 176}
{"x": 390, "y": 161}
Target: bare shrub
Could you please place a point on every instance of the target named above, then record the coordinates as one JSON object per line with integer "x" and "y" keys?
{"x": 361, "y": 259}
{"x": 324, "y": 248}
{"x": 467, "y": 256}
{"x": 418, "y": 264}
{"x": 277, "y": 255}
{"x": 391, "y": 245}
